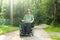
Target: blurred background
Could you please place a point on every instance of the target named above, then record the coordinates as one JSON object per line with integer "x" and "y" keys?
{"x": 44, "y": 11}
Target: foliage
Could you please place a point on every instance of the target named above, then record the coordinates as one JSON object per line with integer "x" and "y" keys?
{"x": 43, "y": 11}
{"x": 2, "y": 21}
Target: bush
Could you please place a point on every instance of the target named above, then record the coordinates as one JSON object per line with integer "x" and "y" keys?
{"x": 7, "y": 22}
{"x": 2, "y": 21}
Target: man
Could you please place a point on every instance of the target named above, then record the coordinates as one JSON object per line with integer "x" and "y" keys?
{"x": 28, "y": 20}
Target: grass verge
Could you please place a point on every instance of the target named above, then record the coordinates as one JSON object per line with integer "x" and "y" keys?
{"x": 55, "y": 37}
{"x": 5, "y": 29}
{"x": 52, "y": 29}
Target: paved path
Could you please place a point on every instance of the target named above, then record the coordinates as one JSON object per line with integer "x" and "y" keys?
{"x": 39, "y": 34}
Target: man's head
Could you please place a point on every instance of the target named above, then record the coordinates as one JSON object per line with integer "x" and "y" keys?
{"x": 28, "y": 11}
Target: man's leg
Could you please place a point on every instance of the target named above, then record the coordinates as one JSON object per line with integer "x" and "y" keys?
{"x": 28, "y": 28}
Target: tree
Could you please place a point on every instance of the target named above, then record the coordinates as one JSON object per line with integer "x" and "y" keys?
{"x": 55, "y": 13}
{"x": 11, "y": 11}
{"x": 2, "y": 9}
{"x": 0, "y": 4}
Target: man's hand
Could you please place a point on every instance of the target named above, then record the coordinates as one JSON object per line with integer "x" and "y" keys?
{"x": 22, "y": 20}
{"x": 31, "y": 21}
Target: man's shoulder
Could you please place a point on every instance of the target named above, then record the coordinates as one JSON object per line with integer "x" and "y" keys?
{"x": 30, "y": 14}
{"x": 25, "y": 15}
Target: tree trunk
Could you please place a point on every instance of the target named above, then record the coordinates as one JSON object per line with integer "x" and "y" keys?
{"x": 11, "y": 12}
{"x": 1, "y": 4}
{"x": 55, "y": 13}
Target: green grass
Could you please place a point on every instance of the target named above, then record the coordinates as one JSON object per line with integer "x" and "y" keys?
{"x": 55, "y": 37}
{"x": 52, "y": 29}
{"x": 5, "y": 29}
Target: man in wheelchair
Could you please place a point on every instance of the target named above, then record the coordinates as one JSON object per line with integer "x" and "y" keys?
{"x": 27, "y": 23}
